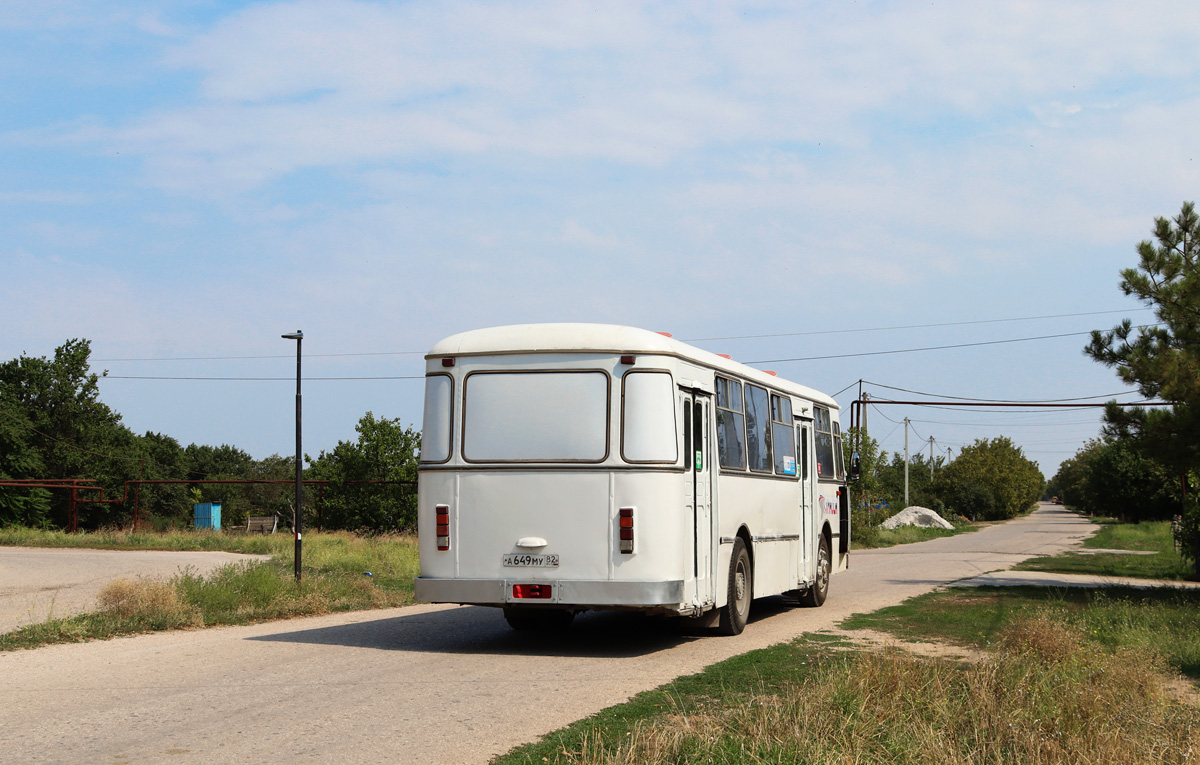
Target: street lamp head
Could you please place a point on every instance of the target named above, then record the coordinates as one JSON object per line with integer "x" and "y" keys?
{"x": 297, "y": 335}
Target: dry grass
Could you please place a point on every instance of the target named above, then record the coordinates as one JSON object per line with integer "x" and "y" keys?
{"x": 152, "y": 602}
{"x": 342, "y": 572}
{"x": 1043, "y": 695}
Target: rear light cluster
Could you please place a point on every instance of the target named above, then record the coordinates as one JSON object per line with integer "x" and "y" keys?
{"x": 625, "y": 526}
{"x": 443, "y": 526}
{"x": 531, "y": 591}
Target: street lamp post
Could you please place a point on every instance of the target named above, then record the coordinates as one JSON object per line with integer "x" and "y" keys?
{"x": 298, "y": 523}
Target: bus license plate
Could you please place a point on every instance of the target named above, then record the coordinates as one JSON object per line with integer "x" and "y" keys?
{"x": 525, "y": 560}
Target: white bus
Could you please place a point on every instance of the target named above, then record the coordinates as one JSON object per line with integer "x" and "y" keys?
{"x": 570, "y": 467}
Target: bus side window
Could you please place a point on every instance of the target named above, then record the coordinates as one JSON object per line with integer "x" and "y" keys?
{"x": 803, "y": 433}
{"x": 699, "y": 429}
{"x": 687, "y": 430}
{"x": 731, "y": 425}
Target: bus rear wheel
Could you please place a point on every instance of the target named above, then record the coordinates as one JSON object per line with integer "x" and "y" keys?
{"x": 815, "y": 595}
{"x": 741, "y": 588}
{"x": 539, "y": 619}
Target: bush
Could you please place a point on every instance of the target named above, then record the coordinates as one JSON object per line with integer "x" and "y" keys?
{"x": 997, "y": 468}
{"x": 971, "y": 499}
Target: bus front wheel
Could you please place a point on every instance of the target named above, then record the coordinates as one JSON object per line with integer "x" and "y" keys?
{"x": 741, "y": 587}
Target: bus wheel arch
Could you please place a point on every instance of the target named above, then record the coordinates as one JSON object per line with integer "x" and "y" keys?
{"x": 740, "y": 588}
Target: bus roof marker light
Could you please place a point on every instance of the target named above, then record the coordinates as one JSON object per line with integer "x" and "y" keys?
{"x": 665, "y": 334}
{"x": 628, "y": 360}
{"x": 725, "y": 356}
{"x": 771, "y": 372}
{"x": 448, "y": 362}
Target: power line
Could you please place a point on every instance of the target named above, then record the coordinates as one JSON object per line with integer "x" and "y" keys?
{"x": 932, "y": 347}
{"x": 257, "y": 379}
{"x": 910, "y": 326}
{"x": 843, "y": 390}
{"x": 76, "y": 447}
{"x": 1002, "y": 424}
{"x": 283, "y": 356}
{"x": 1001, "y": 400}
{"x": 690, "y": 340}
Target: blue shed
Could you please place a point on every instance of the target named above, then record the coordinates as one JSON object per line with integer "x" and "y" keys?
{"x": 208, "y": 515}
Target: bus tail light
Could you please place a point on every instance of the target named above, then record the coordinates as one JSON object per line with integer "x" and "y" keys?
{"x": 532, "y": 591}
{"x": 443, "y": 526}
{"x": 625, "y": 527}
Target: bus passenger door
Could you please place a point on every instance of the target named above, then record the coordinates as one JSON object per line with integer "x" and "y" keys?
{"x": 697, "y": 449}
{"x": 807, "y": 470}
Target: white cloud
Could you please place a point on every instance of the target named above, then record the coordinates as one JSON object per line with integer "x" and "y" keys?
{"x": 44, "y": 197}
{"x": 152, "y": 23}
{"x": 572, "y": 232}
{"x": 317, "y": 83}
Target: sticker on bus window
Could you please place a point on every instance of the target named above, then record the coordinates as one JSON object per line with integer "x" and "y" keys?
{"x": 789, "y": 466}
{"x": 699, "y": 460}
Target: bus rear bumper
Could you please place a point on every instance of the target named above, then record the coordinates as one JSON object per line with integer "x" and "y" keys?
{"x": 565, "y": 592}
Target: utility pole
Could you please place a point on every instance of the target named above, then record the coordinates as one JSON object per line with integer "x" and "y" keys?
{"x": 863, "y": 412}
{"x": 931, "y": 458}
{"x": 906, "y": 462}
{"x": 298, "y": 521}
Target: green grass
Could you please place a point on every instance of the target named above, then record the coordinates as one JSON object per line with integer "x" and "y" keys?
{"x": 334, "y": 579}
{"x": 1069, "y": 676}
{"x": 190, "y": 539}
{"x": 1154, "y": 536}
{"x": 1165, "y": 621}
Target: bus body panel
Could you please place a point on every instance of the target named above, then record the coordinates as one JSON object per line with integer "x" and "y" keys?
{"x": 511, "y": 496}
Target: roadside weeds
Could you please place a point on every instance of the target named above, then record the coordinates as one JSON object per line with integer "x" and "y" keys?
{"x": 959, "y": 676}
{"x": 342, "y": 572}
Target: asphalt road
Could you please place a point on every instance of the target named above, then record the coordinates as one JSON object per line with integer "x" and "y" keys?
{"x": 425, "y": 684}
{"x": 37, "y": 583}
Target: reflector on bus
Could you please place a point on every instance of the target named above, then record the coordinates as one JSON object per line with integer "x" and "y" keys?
{"x": 532, "y": 591}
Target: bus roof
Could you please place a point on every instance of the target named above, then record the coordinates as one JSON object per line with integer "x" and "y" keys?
{"x": 608, "y": 339}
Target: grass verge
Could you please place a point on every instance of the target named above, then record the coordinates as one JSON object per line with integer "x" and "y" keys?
{"x": 335, "y": 579}
{"x": 113, "y": 539}
{"x": 1148, "y": 536}
{"x": 1163, "y": 621}
{"x": 1067, "y": 678}
{"x": 872, "y": 537}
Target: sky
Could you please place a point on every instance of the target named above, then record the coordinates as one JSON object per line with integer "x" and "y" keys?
{"x": 815, "y": 188}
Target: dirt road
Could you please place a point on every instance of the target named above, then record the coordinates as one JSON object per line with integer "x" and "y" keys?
{"x": 426, "y": 684}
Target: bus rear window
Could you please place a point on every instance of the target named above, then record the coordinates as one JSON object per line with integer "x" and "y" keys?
{"x": 535, "y": 417}
{"x": 435, "y": 434}
{"x": 648, "y": 418}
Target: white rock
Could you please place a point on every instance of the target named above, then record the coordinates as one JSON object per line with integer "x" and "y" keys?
{"x": 917, "y": 516}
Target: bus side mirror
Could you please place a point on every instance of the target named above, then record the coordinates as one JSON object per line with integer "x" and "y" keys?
{"x": 855, "y": 467}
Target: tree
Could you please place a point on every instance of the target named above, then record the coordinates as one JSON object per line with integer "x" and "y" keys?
{"x": 18, "y": 459}
{"x": 224, "y": 462}
{"x": 1162, "y": 360}
{"x": 163, "y": 459}
{"x": 990, "y": 480}
{"x": 1070, "y": 482}
{"x": 56, "y": 402}
{"x": 384, "y": 451}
